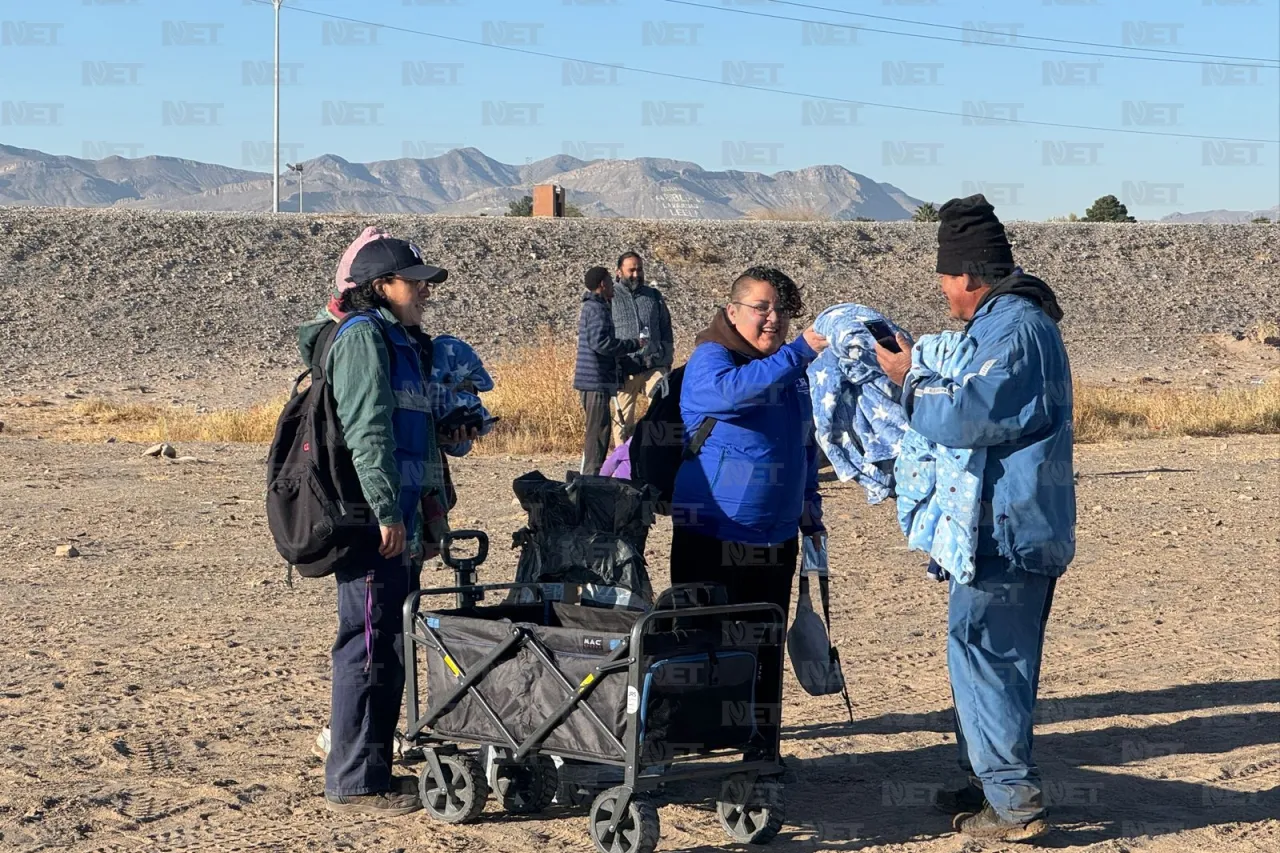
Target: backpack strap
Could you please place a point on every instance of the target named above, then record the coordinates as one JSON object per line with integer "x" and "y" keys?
{"x": 700, "y": 436}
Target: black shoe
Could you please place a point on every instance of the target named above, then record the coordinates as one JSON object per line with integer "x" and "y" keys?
{"x": 989, "y": 826}
{"x": 391, "y": 803}
{"x": 965, "y": 800}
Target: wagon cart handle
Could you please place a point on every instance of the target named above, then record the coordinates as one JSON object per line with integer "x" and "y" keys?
{"x": 454, "y": 537}
{"x": 464, "y": 568}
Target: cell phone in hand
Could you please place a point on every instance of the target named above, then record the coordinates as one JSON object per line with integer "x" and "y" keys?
{"x": 883, "y": 334}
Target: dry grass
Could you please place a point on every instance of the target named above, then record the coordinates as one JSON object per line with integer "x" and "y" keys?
{"x": 541, "y": 412}
{"x": 1103, "y": 414}
{"x": 1264, "y": 332}
{"x": 533, "y": 394}
{"x": 137, "y": 422}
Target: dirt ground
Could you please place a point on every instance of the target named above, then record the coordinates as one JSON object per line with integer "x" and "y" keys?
{"x": 162, "y": 690}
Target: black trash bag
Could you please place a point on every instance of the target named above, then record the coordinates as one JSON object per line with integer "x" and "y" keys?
{"x": 589, "y": 531}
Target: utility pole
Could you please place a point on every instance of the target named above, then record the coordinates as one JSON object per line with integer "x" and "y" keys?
{"x": 297, "y": 167}
{"x": 275, "y": 172}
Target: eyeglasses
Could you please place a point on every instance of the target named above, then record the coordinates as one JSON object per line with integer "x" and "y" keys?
{"x": 765, "y": 309}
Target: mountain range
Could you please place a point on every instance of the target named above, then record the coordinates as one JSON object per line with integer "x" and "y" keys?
{"x": 467, "y": 182}
{"x": 463, "y": 181}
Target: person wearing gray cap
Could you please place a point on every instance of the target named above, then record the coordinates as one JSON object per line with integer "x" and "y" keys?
{"x": 1015, "y": 404}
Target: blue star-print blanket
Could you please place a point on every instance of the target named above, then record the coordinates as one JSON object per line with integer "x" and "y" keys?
{"x": 859, "y": 426}
{"x": 940, "y": 488}
{"x": 458, "y": 378}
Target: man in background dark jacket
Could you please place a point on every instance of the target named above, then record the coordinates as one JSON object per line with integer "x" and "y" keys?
{"x": 638, "y": 307}
{"x": 596, "y": 373}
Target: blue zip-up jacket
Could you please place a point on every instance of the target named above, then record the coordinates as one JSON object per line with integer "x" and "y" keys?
{"x": 598, "y": 367}
{"x": 1015, "y": 400}
{"x": 410, "y": 421}
{"x": 756, "y": 479}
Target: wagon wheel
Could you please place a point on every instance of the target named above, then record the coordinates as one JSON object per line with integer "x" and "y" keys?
{"x": 637, "y": 831}
{"x": 526, "y": 787}
{"x": 750, "y": 814}
{"x": 458, "y": 797}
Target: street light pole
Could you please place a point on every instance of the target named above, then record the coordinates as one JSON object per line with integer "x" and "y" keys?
{"x": 275, "y": 172}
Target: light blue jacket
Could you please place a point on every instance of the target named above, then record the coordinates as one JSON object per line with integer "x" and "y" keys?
{"x": 1016, "y": 402}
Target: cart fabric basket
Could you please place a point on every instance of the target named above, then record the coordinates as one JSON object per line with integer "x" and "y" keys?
{"x": 697, "y": 692}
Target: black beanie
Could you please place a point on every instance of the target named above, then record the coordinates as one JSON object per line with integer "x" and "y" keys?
{"x": 972, "y": 240}
{"x": 595, "y": 276}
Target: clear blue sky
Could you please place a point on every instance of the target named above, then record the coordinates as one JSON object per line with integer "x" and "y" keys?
{"x": 143, "y": 77}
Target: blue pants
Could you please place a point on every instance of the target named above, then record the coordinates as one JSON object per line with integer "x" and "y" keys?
{"x": 995, "y": 637}
{"x": 368, "y": 677}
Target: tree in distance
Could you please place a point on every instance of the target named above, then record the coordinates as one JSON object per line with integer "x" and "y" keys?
{"x": 925, "y": 213}
{"x": 524, "y": 207}
{"x": 1261, "y": 220}
{"x": 1108, "y": 208}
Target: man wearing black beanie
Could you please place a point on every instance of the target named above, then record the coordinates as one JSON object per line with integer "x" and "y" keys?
{"x": 597, "y": 373}
{"x": 1016, "y": 404}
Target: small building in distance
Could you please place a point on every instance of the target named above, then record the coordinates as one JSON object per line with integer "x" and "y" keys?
{"x": 548, "y": 200}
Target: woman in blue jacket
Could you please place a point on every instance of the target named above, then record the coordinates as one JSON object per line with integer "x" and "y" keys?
{"x": 741, "y": 504}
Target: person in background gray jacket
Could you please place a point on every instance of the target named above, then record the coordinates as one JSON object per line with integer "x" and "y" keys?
{"x": 638, "y": 307}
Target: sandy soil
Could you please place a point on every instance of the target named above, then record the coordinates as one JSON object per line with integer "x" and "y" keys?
{"x": 162, "y": 691}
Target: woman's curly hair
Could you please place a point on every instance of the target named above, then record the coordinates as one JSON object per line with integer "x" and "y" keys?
{"x": 788, "y": 291}
{"x": 362, "y": 297}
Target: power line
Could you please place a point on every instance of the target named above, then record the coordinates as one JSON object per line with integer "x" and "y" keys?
{"x": 739, "y": 11}
{"x": 1029, "y": 38}
{"x": 689, "y": 78}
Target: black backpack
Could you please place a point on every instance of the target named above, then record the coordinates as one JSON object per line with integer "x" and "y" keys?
{"x": 316, "y": 510}
{"x": 657, "y": 446}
